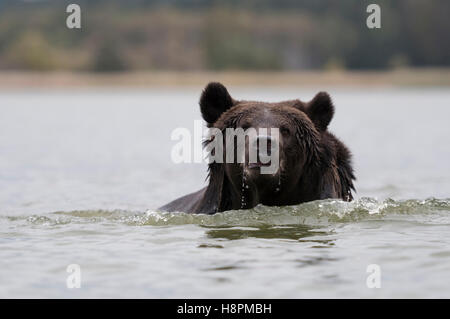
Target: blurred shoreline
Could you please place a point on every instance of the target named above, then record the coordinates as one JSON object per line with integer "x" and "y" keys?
{"x": 427, "y": 77}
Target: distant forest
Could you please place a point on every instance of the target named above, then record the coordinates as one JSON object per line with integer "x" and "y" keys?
{"x": 223, "y": 35}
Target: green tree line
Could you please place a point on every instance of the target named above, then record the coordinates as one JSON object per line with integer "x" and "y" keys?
{"x": 223, "y": 35}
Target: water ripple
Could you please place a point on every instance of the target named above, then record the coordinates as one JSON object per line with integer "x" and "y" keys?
{"x": 314, "y": 213}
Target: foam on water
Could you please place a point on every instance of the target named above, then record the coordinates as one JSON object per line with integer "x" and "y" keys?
{"x": 312, "y": 213}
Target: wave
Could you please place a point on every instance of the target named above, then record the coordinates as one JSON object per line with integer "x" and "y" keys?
{"x": 312, "y": 213}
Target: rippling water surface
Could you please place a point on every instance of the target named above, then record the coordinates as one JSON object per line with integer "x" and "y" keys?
{"x": 82, "y": 173}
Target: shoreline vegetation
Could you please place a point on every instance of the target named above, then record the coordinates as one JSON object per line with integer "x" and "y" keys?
{"x": 160, "y": 43}
{"x": 427, "y": 77}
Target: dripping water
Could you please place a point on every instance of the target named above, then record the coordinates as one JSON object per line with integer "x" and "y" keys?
{"x": 243, "y": 188}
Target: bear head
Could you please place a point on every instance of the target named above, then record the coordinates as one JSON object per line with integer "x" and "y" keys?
{"x": 311, "y": 163}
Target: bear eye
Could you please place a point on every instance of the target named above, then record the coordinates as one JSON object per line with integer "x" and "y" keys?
{"x": 284, "y": 131}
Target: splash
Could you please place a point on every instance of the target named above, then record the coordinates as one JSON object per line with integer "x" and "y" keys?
{"x": 321, "y": 212}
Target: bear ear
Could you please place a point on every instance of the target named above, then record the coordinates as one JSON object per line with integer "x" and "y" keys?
{"x": 214, "y": 101}
{"x": 320, "y": 110}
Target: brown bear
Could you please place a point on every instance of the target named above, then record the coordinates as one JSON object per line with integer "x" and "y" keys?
{"x": 313, "y": 163}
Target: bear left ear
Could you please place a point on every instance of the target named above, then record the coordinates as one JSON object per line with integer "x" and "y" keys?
{"x": 320, "y": 110}
{"x": 214, "y": 101}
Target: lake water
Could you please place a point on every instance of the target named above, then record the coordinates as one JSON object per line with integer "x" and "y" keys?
{"x": 82, "y": 173}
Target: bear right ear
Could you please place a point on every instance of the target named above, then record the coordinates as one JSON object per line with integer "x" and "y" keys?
{"x": 214, "y": 101}
{"x": 320, "y": 110}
